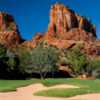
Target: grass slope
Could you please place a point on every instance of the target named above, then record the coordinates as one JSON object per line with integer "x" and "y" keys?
{"x": 86, "y": 86}
{"x": 11, "y": 85}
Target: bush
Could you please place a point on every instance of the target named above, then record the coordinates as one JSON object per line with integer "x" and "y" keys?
{"x": 94, "y": 68}
{"x": 3, "y": 51}
{"x": 2, "y": 61}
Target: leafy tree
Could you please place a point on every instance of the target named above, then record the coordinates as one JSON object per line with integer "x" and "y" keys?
{"x": 25, "y": 61}
{"x": 44, "y": 60}
{"x": 12, "y": 62}
{"x": 77, "y": 61}
{"x": 39, "y": 60}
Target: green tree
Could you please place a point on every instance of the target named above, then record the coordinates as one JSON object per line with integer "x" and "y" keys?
{"x": 44, "y": 60}
{"x": 94, "y": 68}
{"x": 77, "y": 61}
{"x": 39, "y": 60}
{"x": 12, "y": 61}
{"x": 25, "y": 61}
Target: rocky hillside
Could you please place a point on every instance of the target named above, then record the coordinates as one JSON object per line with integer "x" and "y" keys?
{"x": 9, "y": 34}
{"x": 65, "y": 30}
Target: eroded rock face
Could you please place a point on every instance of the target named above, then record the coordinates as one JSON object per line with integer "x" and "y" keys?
{"x": 9, "y": 34}
{"x": 65, "y": 30}
{"x": 33, "y": 43}
{"x": 63, "y": 19}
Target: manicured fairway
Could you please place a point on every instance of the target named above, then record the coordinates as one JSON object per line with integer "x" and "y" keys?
{"x": 85, "y": 86}
{"x": 11, "y": 85}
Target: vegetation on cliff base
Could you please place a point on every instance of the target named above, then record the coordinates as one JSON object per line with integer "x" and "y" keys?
{"x": 45, "y": 59}
{"x": 78, "y": 63}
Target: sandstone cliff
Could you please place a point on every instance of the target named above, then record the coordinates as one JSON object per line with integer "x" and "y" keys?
{"x": 9, "y": 34}
{"x": 32, "y": 43}
{"x": 65, "y": 30}
{"x": 63, "y": 19}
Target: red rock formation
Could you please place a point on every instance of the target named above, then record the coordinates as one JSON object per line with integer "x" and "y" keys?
{"x": 63, "y": 19}
{"x": 9, "y": 34}
{"x": 65, "y": 30}
{"x": 86, "y": 25}
{"x": 33, "y": 43}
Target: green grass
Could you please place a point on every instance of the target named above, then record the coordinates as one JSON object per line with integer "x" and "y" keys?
{"x": 11, "y": 85}
{"x": 86, "y": 86}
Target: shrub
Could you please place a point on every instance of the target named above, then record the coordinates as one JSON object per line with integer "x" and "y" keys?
{"x": 94, "y": 68}
{"x": 2, "y": 61}
{"x": 3, "y": 51}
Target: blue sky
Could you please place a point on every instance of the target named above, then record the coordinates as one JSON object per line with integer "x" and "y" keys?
{"x": 32, "y": 16}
